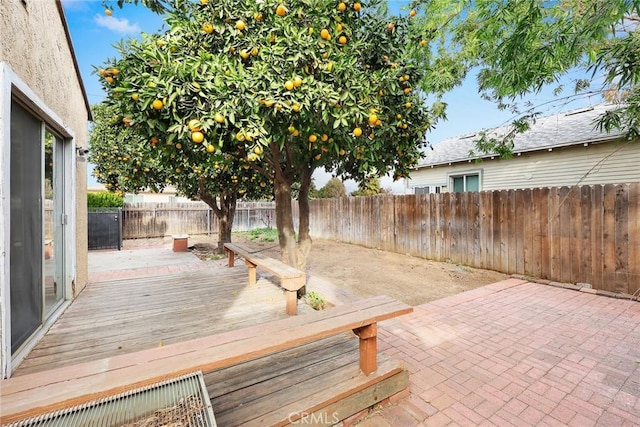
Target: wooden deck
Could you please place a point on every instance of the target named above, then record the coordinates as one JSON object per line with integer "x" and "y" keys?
{"x": 121, "y": 316}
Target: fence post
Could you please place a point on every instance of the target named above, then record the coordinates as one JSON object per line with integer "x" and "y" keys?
{"x": 208, "y": 222}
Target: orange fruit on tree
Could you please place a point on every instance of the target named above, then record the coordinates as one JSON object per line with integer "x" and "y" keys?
{"x": 157, "y": 104}
{"x": 219, "y": 118}
{"x": 339, "y": 28}
{"x": 357, "y": 7}
{"x": 179, "y": 146}
{"x": 342, "y": 40}
{"x": 373, "y": 118}
{"x": 115, "y": 71}
{"x": 211, "y": 148}
{"x": 109, "y": 79}
{"x": 194, "y": 125}
{"x": 357, "y": 132}
{"x": 295, "y": 107}
{"x": 412, "y": 13}
{"x": 288, "y": 85}
{"x": 244, "y": 54}
{"x": 135, "y": 96}
{"x": 257, "y": 16}
{"x": 408, "y": 105}
{"x": 407, "y": 90}
{"x": 204, "y": 1}
{"x": 254, "y": 51}
{"x": 324, "y": 137}
{"x": 154, "y": 140}
{"x": 313, "y": 138}
{"x": 108, "y": 12}
{"x": 342, "y": 7}
{"x": 207, "y": 27}
{"x": 324, "y": 33}
{"x": 240, "y": 25}
{"x": 281, "y": 10}
{"x": 297, "y": 81}
{"x": 423, "y": 42}
{"x": 197, "y": 137}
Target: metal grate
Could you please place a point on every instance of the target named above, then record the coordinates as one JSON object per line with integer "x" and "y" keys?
{"x": 177, "y": 402}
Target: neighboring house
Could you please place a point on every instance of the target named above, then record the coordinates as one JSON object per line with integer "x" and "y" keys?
{"x": 560, "y": 150}
{"x": 43, "y": 211}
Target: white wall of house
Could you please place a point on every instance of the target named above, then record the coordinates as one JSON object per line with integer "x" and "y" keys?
{"x": 37, "y": 67}
{"x": 602, "y": 163}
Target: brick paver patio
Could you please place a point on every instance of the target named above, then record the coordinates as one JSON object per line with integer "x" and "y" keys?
{"x": 517, "y": 353}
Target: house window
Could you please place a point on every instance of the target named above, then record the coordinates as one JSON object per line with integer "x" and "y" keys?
{"x": 134, "y": 198}
{"x": 467, "y": 182}
{"x": 428, "y": 189}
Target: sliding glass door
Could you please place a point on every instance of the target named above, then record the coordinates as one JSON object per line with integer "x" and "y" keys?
{"x": 37, "y": 221}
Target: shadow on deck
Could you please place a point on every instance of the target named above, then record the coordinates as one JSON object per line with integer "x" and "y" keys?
{"x": 117, "y": 317}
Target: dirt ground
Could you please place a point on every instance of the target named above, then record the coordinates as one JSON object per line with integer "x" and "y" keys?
{"x": 368, "y": 272}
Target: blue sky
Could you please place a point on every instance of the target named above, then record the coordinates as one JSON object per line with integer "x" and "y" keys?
{"x": 94, "y": 35}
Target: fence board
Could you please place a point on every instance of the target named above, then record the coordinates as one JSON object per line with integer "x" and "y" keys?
{"x": 520, "y": 238}
{"x": 486, "y": 226}
{"x": 586, "y": 235}
{"x": 622, "y": 238}
{"x": 575, "y": 235}
{"x": 634, "y": 239}
{"x": 609, "y": 239}
{"x": 597, "y": 235}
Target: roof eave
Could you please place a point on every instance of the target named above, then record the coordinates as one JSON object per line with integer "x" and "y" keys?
{"x": 531, "y": 150}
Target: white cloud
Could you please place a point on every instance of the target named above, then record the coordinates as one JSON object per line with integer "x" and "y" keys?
{"x": 117, "y": 25}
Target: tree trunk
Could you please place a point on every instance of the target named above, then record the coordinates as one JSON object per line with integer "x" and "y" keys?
{"x": 304, "y": 239}
{"x": 225, "y": 220}
{"x": 225, "y": 212}
{"x": 284, "y": 222}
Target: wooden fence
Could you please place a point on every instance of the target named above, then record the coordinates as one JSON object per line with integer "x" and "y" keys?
{"x": 585, "y": 234}
{"x": 144, "y": 220}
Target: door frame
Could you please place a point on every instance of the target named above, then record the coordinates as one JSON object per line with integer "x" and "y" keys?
{"x": 12, "y": 87}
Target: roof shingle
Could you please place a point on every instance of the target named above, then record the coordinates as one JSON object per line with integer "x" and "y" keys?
{"x": 567, "y": 128}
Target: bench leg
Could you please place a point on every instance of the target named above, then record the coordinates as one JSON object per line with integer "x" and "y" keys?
{"x": 232, "y": 257}
{"x": 368, "y": 347}
{"x": 292, "y": 302}
{"x": 252, "y": 272}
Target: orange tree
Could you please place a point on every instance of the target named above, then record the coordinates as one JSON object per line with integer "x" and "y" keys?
{"x": 126, "y": 159}
{"x": 283, "y": 87}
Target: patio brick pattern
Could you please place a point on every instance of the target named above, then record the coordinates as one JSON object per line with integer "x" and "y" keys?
{"x": 517, "y": 353}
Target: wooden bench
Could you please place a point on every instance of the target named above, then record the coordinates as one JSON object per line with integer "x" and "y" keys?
{"x": 41, "y": 392}
{"x": 291, "y": 279}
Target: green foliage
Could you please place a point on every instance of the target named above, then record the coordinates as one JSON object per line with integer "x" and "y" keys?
{"x": 333, "y": 188}
{"x": 104, "y": 199}
{"x": 260, "y": 234}
{"x": 240, "y": 75}
{"x": 522, "y": 45}
{"x": 315, "y": 300}
{"x": 369, "y": 187}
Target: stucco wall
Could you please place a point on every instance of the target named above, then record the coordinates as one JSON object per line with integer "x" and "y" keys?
{"x": 34, "y": 44}
{"x": 604, "y": 163}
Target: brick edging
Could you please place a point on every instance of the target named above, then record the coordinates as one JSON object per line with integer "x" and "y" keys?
{"x": 581, "y": 287}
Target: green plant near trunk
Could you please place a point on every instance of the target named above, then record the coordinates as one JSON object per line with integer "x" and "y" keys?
{"x": 315, "y": 300}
